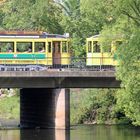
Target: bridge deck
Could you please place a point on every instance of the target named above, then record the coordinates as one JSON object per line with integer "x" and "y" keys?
{"x": 58, "y": 79}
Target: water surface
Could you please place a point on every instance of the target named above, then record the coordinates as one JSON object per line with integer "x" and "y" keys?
{"x": 84, "y": 132}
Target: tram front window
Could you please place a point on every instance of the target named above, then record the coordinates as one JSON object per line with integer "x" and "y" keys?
{"x": 89, "y": 46}
{"x": 118, "y": 43}
{"x": 64, "y": 47}
{"x": 96, "y": 47}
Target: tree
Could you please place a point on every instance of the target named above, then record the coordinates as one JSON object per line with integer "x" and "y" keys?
{"x": 32, "y": 15}
{"x": 127, "y": 24}
{"x": 129, "y": 54}
{"x": 128, "y": 72}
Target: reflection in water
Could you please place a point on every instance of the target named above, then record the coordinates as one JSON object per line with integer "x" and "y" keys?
{"x": 43, "y": 134}
{"x": 106, "y": 132}
{"x": 90, "y": 132}
{"x": 9, "y": 135}
{"x": 37, "y": 134}
{"x": 62, "y": 135}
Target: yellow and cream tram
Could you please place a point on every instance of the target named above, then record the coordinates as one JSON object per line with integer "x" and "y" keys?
{"x": 33, "y": 48}
{"x": 101, "y": 56}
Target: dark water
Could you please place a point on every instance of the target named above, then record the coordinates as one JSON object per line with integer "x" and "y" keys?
{"x": 92, "y": 132}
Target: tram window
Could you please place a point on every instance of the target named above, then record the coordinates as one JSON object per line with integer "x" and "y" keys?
{"x": 96, "y": 46}
{"x": 49, "y": 47}
{"x": 89, "y": 46}
{"x": 7, "y": 47}
{"x": 118, "y": 43}
{"x": 68, "y": 48}
{"x": 40, "y": 47}
{"x": 64, "y": 46}
{"x": 24, "y": 47}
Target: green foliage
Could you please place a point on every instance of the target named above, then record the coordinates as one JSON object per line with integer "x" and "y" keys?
{"x": 128, "y": 72}
{"x": 128, "y": 54}
{"x": 70, "y": 7}
{"x": 96, "y": 106}
{"x": 130, "y": 8}
{"x": 9, "y": 107}
{"x": 32, "y": 15}
{"x": 1, "y": 18}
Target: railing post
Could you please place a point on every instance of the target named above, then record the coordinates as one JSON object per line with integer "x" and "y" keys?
{"x": 100, "y": 64}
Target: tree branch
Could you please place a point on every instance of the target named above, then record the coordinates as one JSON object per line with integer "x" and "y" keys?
{"x": 64, "y": 8}
{"x": 135, "y": 8}
{"x": 137, "y": 4}
{"x": 135, "y": 19}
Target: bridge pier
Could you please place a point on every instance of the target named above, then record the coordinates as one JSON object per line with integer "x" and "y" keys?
{"x": 44, "y": 108}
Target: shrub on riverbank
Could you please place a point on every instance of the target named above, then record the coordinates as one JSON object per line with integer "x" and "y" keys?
{"x": 96, "y": 106}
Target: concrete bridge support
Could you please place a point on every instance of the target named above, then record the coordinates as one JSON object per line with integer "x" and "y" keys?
{"x": 44, "y": 108}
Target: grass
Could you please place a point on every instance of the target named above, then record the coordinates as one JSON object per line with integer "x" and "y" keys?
{"x": 9, "y": 107}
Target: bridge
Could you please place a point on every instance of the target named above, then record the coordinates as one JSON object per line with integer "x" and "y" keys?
{"x": 58, "y": 79}
{"x": 44, "y": 95}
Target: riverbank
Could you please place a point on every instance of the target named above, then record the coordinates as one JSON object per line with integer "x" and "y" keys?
{"x": 9, "y": 123}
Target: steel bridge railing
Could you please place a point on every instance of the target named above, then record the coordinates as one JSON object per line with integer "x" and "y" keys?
{"x": 64, "y": 63}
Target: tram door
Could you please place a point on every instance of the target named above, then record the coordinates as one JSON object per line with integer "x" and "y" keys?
{"x": 56, "y": 53}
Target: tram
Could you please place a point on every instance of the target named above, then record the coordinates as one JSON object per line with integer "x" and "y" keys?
{"x": 22, "y": 49}
{"x": 97, "y": 56}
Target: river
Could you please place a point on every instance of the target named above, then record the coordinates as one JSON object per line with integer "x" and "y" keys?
{"x": 83, "y": 132}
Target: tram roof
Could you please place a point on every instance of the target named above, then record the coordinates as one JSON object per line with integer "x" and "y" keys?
{"x": 95, "y": 37}
{"x": 118, "y": 36}
{"x": 30, "y": 35}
